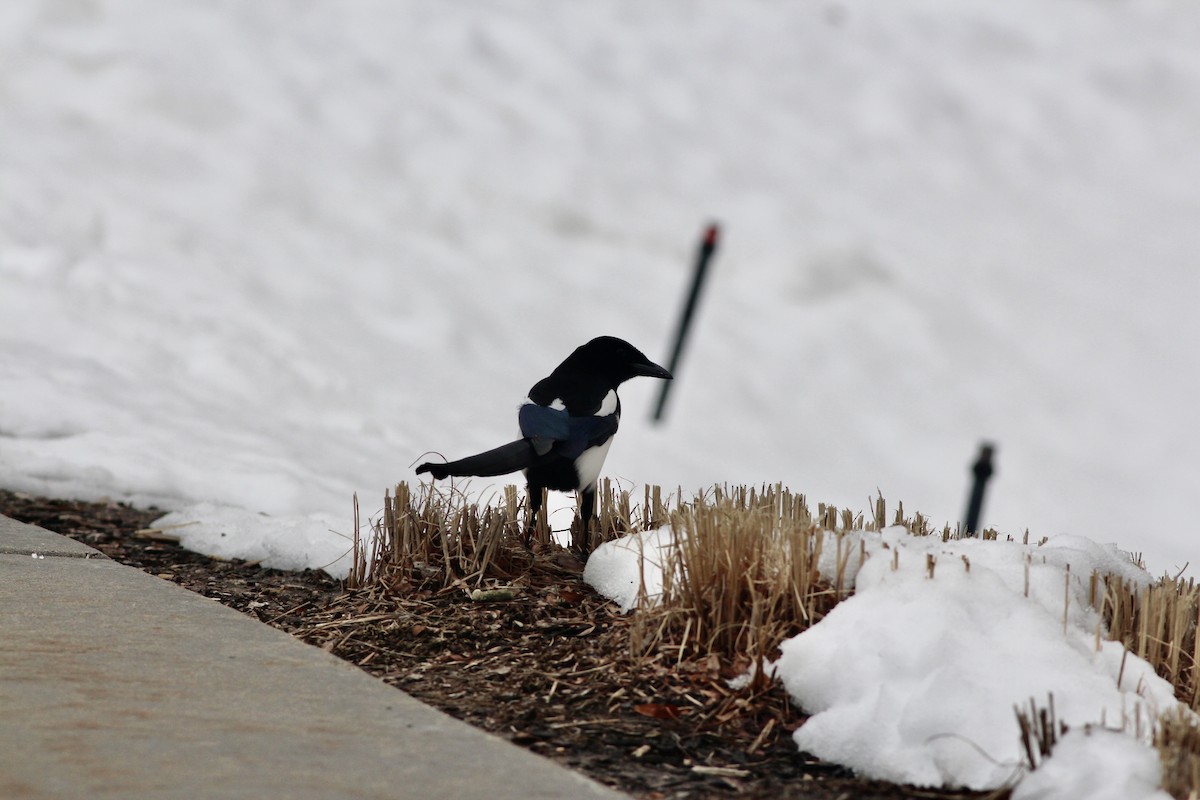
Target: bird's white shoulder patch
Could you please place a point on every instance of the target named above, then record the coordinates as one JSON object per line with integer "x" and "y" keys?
{"x": 590, "y": 462}
{"x": 609, "y": 404}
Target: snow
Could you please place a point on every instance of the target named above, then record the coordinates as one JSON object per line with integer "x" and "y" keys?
{"x": 1097, "y": 764}
{"x": 629, "y": 570}
{"x": 914, "y": 679}
{"x": 258, "y": 257}
{"x": 285, "y": 542}
{"x": 264, "y": 256}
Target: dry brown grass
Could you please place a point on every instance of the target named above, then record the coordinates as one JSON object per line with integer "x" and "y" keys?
{"x": 1040, "y": 731}
{"x": 1177, "y": 737}
{"x": 749, "y": 568}
{"x": 743, "y": 576}
{"x": 1157, "y": 622}
{"x": 434, "y": 538}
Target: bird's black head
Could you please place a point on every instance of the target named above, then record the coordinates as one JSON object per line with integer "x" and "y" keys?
{"x": 616, "y": 359}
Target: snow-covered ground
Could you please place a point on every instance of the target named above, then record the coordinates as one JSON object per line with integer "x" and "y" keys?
{"x": 265, "y": 255}
{"x": 257, "y": 257}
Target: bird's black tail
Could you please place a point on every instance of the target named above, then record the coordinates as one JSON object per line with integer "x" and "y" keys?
{"x": 504, "y": 459}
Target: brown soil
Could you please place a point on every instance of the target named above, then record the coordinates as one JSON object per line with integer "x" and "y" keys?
{"x": 549, "y": 670}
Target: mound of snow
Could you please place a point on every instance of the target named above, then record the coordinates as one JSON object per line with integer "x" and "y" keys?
{"x": 914, "y": 677}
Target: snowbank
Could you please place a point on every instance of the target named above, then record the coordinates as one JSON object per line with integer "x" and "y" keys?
{"x": 914, "y": 678}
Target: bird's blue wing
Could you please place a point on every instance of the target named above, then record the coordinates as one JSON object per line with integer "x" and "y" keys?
{"x": 555, "y": 429}
{"x": 587, "y": 432}
{"x": 544, "y": 426}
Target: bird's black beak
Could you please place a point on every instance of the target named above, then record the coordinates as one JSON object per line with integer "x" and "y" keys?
{"x": 649, "y": 369}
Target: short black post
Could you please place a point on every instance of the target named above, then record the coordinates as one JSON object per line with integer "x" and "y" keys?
{"x": 982, "y": 469}
{"x": 708, "y": 245}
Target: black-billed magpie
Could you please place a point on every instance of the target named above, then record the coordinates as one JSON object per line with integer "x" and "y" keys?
{"x": 567, "y": 424}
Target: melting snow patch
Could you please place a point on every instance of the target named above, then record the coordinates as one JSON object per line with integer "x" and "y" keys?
{"x": 617, "y": 568}
{"x": 914, "y": 678}
{"x": 291, "y": 542}
{"x": 1097, "y": 764}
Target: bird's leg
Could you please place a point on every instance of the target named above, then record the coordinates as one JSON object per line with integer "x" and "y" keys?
{"x": 534, "y": 493}
{"x": 583, "y": 542}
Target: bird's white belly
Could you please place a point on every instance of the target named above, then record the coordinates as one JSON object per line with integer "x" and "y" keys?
{"x": 589, "y": 463}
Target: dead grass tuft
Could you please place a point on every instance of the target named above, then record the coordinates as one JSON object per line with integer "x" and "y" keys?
{"x": 1040, "y": 731}
{"x": 1177, "y": 737}
{"x": 1157, "y": 622}
{"x": 751, "y": 567}
{"x": 742, "y": 574}
{"x": 434, "y": 539}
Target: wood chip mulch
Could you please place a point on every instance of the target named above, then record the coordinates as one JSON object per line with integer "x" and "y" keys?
{"x": 550, "y": 670}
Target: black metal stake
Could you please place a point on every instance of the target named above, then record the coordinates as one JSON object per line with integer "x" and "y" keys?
{"x": 982, "y": 470}
{"x": 708, "y": 246}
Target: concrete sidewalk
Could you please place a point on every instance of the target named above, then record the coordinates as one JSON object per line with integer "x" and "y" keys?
{"x": 114, "y": 683}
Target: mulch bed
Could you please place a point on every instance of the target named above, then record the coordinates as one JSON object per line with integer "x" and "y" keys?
{"x": 550, "y": 670}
